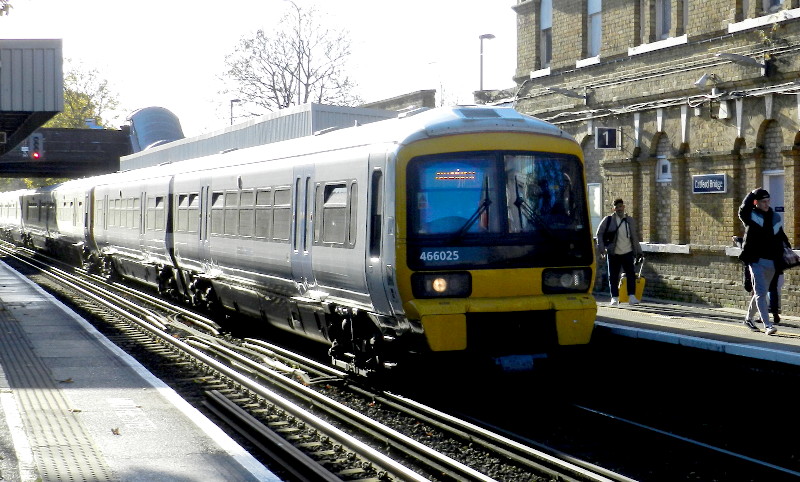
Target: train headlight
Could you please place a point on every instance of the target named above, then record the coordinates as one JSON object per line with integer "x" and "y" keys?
{"x": 566, "y": 280}
{"x": 441, "y": 285}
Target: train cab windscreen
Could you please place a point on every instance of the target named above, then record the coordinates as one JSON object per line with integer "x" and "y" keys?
{"x": 497, "y": 210}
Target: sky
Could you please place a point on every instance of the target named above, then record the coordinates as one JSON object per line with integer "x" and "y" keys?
{"x": 171, "y": 53}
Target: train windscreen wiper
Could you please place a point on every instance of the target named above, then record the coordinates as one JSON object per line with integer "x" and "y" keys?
{"x": 536, "y": 220}
{"x": 483, "y": 207}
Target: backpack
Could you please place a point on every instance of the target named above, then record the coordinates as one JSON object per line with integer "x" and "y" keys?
{"x": 609, "y": 238}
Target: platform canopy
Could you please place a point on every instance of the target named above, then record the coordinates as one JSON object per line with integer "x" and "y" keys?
{"x": 31, "y": 87}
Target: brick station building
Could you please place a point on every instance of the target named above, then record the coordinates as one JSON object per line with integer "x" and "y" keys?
{"x": 700, "y": 102}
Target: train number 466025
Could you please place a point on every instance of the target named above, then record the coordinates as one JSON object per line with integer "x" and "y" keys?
{"x": 442, "y": 255}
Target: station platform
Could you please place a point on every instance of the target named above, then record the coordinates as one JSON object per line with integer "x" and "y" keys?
{"x": 698, "y": 326}
{"x": 73, "y": 406}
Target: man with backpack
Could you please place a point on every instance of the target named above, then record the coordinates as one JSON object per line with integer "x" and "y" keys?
{"x": 618, "y": 241}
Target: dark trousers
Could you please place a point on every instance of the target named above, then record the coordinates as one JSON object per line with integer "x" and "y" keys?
{"x": 624, "y": 262}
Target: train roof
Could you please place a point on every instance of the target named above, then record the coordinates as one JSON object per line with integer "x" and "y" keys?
{"x": 428, "y": 123}
{"x": 403, "y": 130}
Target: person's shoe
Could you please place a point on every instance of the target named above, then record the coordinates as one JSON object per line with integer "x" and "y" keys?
{"x": 750, "y": 324}
{"x": 632, "y": 300}
{"x": 776, "y": 316}
{"x": 614, "y": 301}
{"x": 771, "y": 330}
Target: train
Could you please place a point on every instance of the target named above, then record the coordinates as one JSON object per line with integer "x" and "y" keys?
{"x": 448, "y": 230}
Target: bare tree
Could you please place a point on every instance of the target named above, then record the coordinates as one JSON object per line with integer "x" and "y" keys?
{"x": 5, "y": 7}
{"x": 299, "y": 62}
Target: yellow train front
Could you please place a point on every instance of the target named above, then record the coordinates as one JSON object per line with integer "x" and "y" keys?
{"x": 494, "y": 245}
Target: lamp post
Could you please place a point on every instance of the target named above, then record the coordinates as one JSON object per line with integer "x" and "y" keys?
{"x": 486, "y": 36}
{"x": 233, "y": 101}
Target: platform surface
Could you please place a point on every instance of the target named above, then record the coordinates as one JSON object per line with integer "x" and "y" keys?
{"x": 74, "y": 407}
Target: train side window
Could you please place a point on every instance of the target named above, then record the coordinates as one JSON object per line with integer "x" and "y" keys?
{"x": 263, "y": 213}
{"x": 352, "y": 204}
{"x": 183, "y": 213}
{"x": 119, "y": 220}
{"x": 246, "y": 213}
{"x": 137, "y": 206}
{"x": 193, "y": 213}
{"x": 217, "y": 213}
{"x": 319, "y": 200}
{"x": 282, "y": 215}
{"x": 376, "y": 214}
{"x": 231, "y": 213}
{"x": 98, "y": 213}
{"x": 150, "y": 219}
{"x": 308, "y": 214}
{"x": 159, "y": 213}
{"x": 130, "y": 213}
{"x": 334, "y": 214}
{"x": 123, "y": 213}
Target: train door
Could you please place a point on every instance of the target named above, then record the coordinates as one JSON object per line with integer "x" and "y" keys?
{"x": 204, "y": 223}
{"x": 89, "y": 219}
{"x": 302, "y": 227}
{"x": 143, "y": 205}
{"x": 375, "y": 262}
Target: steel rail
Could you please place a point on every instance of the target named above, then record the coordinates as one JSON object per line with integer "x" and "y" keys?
{"x": 545, "y": 459}
{"x": 346, "y": 414}
{"x": 512, "y": 449}
{"x": 158, "y": 330}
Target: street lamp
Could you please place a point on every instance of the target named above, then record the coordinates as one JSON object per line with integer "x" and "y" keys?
{"x": 486, "y": 36}
{"x": 233, "y": 101}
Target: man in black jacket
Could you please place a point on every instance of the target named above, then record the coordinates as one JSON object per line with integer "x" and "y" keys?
{"x": 762, "y": 251}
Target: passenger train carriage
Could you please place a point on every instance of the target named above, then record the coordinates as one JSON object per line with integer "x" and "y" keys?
{"x": 453, "y": 229}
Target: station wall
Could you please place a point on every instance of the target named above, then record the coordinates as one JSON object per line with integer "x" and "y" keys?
{"x": 743, "y": 123}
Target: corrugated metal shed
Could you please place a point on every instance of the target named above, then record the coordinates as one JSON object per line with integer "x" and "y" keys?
{"x": 299, "y": 121}
{"x": 31, "y": 87}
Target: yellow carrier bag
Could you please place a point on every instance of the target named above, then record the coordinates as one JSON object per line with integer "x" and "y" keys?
{"x": 623, "y": 285}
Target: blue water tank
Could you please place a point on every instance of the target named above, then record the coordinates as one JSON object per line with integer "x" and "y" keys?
{"x": 153, "y": 126}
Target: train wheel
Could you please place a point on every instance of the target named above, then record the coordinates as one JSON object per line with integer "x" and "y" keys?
{"x": 213, "y": 305}
{"x": 164, "y": 275}
{"x": 358, "y": 346}
{"x": 108, "y": 270}
{"x": 195, "y": 294}
{"x": 93, "y": 264}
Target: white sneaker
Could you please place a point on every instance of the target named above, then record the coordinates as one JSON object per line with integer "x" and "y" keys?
{"x": 771, "y": 330}
{"x": 614, "y": 301}
{"x": 632, "y": 300}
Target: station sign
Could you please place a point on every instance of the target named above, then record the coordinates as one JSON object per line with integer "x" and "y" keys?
{"x": 710, "y": 184}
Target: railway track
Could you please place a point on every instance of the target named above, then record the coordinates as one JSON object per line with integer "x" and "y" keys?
{"x": 340, "y": 431}
{"x": 270, "y": 396}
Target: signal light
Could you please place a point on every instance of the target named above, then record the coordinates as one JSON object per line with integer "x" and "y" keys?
{"x": 36, "y": 147}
